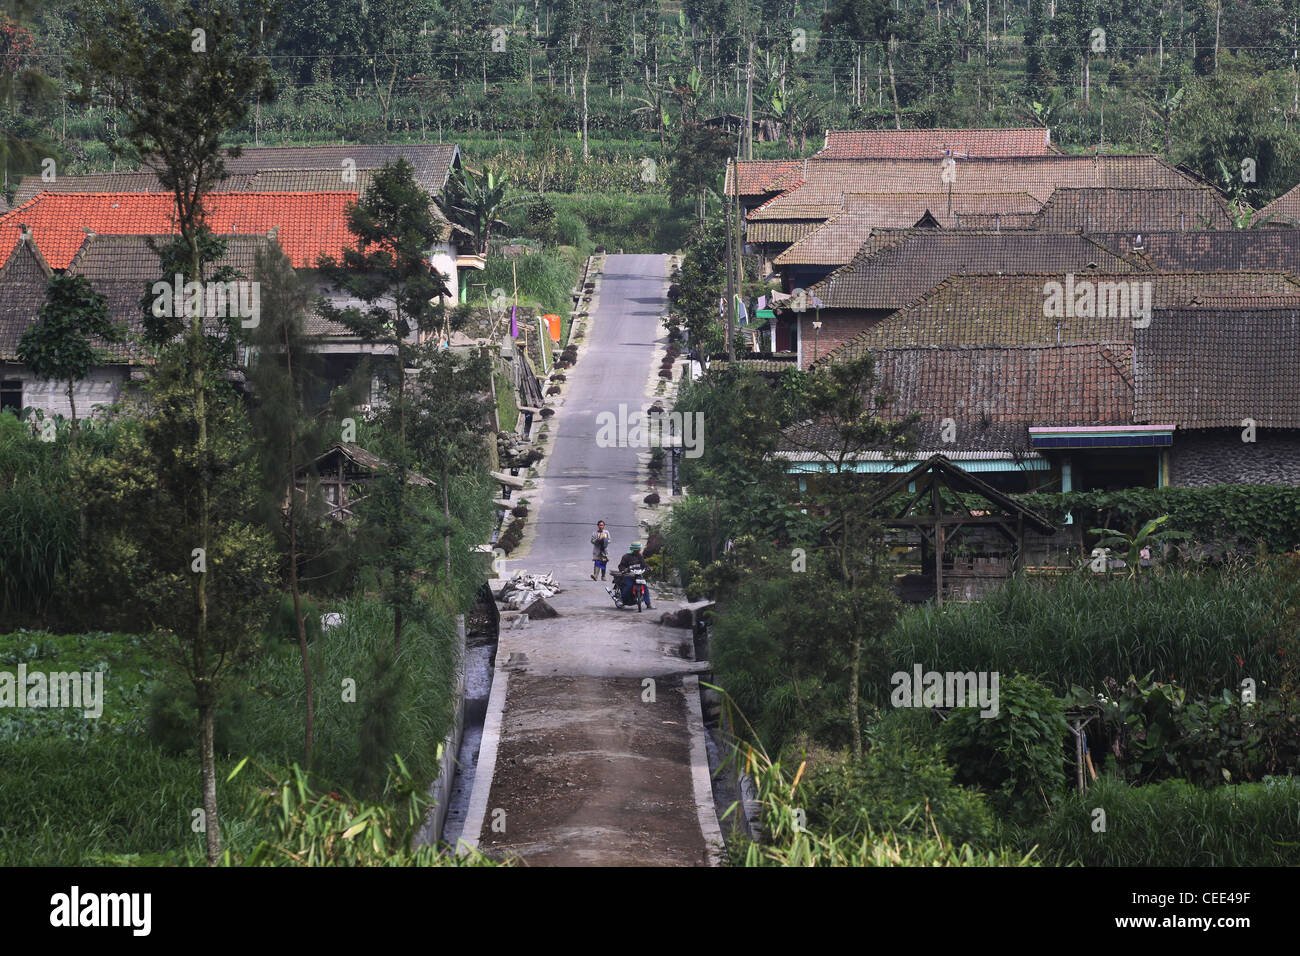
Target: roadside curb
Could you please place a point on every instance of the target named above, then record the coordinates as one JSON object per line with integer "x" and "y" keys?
{"x": 701, "y": 779}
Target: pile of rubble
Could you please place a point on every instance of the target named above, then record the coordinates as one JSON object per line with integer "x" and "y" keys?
{"x": 514, "y": 451}
{"x": 527, "y": 592}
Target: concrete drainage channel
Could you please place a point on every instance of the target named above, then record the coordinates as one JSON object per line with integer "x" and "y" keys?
{"x": 479, "y": 662}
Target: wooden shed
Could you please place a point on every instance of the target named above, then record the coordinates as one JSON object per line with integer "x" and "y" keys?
{"x": 344, "y": 473}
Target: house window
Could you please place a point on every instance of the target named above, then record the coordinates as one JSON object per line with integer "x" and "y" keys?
{"x": 11, "y": 396}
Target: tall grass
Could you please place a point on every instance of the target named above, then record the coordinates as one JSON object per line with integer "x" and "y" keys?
{"x": 546, "y": 279}
{"x": 421, "y": 694}
{"x": 1078, "y": 630}
{"x": 646, "y": 223}
{"x": 1177, "y": 824}
{"x": 39, "y": 522}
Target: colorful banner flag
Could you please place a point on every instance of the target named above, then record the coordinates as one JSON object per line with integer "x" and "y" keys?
{"x": 514, "y": 325}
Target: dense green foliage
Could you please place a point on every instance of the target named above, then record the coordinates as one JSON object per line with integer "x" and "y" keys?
{"x": 1204, "y": 88}
{"x": 1014, "y": 755}
{"x": 1218, "y": 517}
{"x": 1156, "y": 731}
{"x": 900, "y": 785}
{"x": 1206, "y": 630}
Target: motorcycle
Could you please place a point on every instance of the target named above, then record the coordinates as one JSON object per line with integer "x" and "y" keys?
{"x": 640, "y": 595}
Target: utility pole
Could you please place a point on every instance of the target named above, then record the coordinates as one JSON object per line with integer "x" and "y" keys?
{"x": 739, "y": 245}
{"x": 731, "y": 288}
{"x": 749, "y": 103}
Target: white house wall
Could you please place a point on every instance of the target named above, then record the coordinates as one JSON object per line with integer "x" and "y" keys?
{"x": 103, "y": 386}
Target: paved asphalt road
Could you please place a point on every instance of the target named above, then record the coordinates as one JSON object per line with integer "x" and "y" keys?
{"x": 587, "y": 768}
{"x": 586, "y": 483}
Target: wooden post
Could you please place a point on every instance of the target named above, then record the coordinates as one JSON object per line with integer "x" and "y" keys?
{"x": 1078, "y": 753}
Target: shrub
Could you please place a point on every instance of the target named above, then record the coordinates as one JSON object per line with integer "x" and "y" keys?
{"x": 570, "y": 230}
{"x": 1016, "y": 757}
{"x": 541, "y": 219}
{"x": 893, "y": 787}
{"x": 1155, "y": 731}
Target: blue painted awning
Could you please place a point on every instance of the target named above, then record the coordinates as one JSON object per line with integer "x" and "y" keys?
{"x": 1136, "y": 436}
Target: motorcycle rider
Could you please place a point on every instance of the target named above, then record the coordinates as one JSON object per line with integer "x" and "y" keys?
{"x": 624, "y": 580}
{"x": 599, "y": 550}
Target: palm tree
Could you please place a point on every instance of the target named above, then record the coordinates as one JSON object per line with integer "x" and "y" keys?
{"x": 475, "y": 200}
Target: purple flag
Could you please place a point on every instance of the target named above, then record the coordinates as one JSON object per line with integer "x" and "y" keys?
{"x": 514, "y": 326}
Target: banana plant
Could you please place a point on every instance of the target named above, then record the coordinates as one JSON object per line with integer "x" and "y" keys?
{"x": 1134, "y": 545}
{"x": 475, "y": 200}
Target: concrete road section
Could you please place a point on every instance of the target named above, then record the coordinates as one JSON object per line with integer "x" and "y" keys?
{"x": 593, "y": 748}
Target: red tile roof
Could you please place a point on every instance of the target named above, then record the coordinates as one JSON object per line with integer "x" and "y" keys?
{"x": 307, "y": 224}
{"x": 928, "y": 143}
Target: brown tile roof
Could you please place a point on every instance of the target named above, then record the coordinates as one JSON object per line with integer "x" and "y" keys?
{"x": 927, "y": 143}
{"x": 432, "y": 162}
{"x": 759, "y": 177}
{"x": 1009, "y": 310}
{"x": 1284, "y": 210}
{"x": 777, "y": 233}
{"x": 272, "y": 169}
{"x": 137, "y": 181}
{"x": 897, "y": 275}
{"x": 22, "y": 292}
{"x": 810, "y": 440}
{"x": 820, "y": 191}
{"x": 129, "y": 258}
{"x": 1226, "y": 250}
{"x": 1089, "y": 384}
{"x": 841, "y": 236}
{"x": 1203, "y": 368}
{"x": 1116, "y": 209}
{"x": 309, "y": 181}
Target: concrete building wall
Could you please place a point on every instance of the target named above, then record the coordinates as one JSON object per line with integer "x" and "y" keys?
{"x": 1220, "y": 457}
{"x": 102, "y": 387}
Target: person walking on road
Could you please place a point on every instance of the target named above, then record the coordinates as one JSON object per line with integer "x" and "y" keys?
{"x": 599, "y": 550}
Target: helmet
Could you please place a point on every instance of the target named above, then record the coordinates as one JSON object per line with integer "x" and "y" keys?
{"x": 634, "y": 546}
